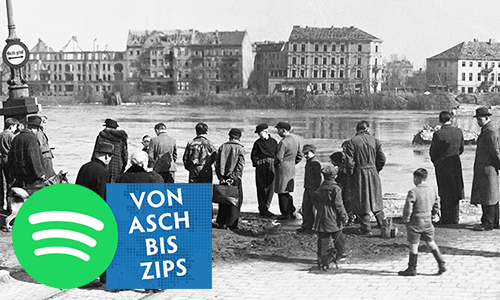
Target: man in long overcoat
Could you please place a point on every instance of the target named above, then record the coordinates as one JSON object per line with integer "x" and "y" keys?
{"x": 446, "y": 147}
{"x": 118, "y": 138}
{"x": 6, "y": 137}
{"x": 25, "y": 157}
{"x": 485, "y": 189}
{"x": 162, "y": 153}
{"x": 288, "y": 154}
{"x": 365, "y": 159}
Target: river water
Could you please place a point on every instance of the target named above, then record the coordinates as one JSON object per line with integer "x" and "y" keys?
{"x": 73, "y": 130}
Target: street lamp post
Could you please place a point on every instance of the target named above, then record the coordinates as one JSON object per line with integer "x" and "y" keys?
{"x": 15, "y": 55}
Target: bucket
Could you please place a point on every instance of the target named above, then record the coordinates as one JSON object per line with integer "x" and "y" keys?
{"x": 387, "y": 229}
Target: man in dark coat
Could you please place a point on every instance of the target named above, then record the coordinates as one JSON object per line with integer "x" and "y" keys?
{"x": 262, "y": 156}
{"x": 229, "y": 169}
{"x": 447, "y": 145}
{"x": 118, "y": 138}
{"x": 162, "y": 153}
{"x": 365, "y": 160}
{"x": 199, "y": 155}
{"x": 25, "y": 157}
{"x": 485, "y": 189}
{"x": 137, "y": 172}
{"x": 6, "y": 137}
{"x": 94, "y": 175}
{"x": 288, "y": 154}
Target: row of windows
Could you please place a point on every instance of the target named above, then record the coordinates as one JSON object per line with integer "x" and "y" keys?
{"x": 324, "y": 74}
{"x": 187, "y": 51}
{"x": 479, "y": 64}
{"x": 71, "y": 56}
{"x": 70, "y": 77}
{"x": 325, "y": 48}
{"x": 326, "y": 61}
{"x": 479, "y": 76}
{"x": 68, "y": 67}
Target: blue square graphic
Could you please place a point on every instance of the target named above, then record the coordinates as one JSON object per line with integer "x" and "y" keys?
{"x": 164, "y": 235}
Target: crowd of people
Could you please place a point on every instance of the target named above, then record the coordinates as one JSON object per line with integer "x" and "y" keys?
{"x": 336, "y": 194}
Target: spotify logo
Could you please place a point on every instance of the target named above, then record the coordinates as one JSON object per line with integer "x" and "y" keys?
{"x": 65, "y": 236}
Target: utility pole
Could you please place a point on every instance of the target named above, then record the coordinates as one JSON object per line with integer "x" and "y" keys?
{"x": 15, "y": 55}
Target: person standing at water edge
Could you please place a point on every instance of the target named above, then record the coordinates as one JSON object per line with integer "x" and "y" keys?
{"x": 199, "y": 155}
{"x": 118, "y": 138}
{"x": 145, "y": 143}
{"x": 229, "y": 169}
{"x": 365, "y": 159}
{"x": 446, "y": 147}
{"x": 94, "y": 175}
{"x": 25, "y": 157}
{"x": 262, "y": 156}
{"x": 163, "y": 154}
{"x": 288, "y": 154}
{"x": 47, "y": 155}
{"x": 312, "y": 181}
{"x": 6, "y": 137}
{"x": 485, "y": 189}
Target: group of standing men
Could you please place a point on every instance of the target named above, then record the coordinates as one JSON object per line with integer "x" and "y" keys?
{"x": 26, "y": 156}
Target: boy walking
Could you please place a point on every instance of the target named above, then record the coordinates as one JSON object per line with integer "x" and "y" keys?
{"x": 312, "y": 181}
{"x": 330, "y": 216}
{"x": 422, "y": 204}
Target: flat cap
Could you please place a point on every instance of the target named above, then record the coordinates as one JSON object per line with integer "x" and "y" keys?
{"x": 283, "y": 125}
{"x": 260, "y": 127}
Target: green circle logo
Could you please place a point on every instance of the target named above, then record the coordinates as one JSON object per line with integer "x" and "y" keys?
{"x": 65, "y": 236}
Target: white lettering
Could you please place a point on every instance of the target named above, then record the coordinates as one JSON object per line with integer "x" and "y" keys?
{"x": 182, "y": 267}
{"x": 168, "y": 268}
{"x": 145, "y": 275}
{"x": 178, "y": 220}
{"x": 162, "y": 199}
{"x": 177, "y": 198}
{"x": 162, "y": 245}
{"x": 157, "y": 265}
{"x": 172, "y": 244}
{"x": 138, "y": 203}
{"x": 135, "y": 225}
{"x": 152, "y": 223}
{"x": 151, "y": 248}
{"x": 160, "y": 221}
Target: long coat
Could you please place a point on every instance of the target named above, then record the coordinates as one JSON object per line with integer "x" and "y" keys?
{"x": 365, "y": 159}
{"x": 25, "y": 158}
{"x": 485, "y": 188}
{"x": 94, "y": 176}
{"x": 288, "y": 154}
{"x": 447, "y": 145}
{"x": 47, "y": 155}
{"x": 120, "y": 151}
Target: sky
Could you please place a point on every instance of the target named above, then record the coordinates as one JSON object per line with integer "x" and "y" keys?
{"x": 415, "y": 29}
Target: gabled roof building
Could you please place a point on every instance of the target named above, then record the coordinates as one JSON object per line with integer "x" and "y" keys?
{"x": 468, "y": 67}
{"x": 331, "y": 60}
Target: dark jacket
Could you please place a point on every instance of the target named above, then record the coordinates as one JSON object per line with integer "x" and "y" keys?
{"x": 446, "y": 142}
{"x": 120, "y": 158}
{"x": 312, "y": 175}
{"x": 330, "y": 211}
{"x": 94, "y": 175}
{"x": 25, "y": 157}
{"x": 230, "y": 160}
{"x": 162, "y": 153}
{"x": 365, "y": 159}
{"x": 199, "y": 155}
{"x": 485, "y": 188}
{"x": 263, "y": 149}
{"x": 136, "y": 174}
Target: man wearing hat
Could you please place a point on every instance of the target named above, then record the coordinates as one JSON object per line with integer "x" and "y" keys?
{"x": 118, "y": 138}
{"x": 288, "y": 154}
{"x": 199, "y": 156}
{"x": 25, "y": 157}
{"x": 485, "y": 189}
{"x": 229, "y": 169}
{"x": 312, "y": 181}
{"x": 94, "y": 175}
{"x": 262, "y": 156}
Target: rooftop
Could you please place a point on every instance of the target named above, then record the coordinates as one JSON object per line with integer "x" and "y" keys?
{"x": 330, "y": 34}
{"x": 185, "y": 37}
{"x": 471, "y": 50}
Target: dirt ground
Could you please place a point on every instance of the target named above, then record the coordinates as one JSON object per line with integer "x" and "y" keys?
{"x": 265, "y": 239}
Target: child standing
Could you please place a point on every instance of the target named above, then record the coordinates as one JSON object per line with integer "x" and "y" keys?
{"x": 312, "y": 180}
{"x": 329, "y": 218}
{"x": 422, "y": 203}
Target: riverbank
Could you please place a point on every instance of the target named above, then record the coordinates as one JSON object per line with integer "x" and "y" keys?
{"x": 379, "y": 101}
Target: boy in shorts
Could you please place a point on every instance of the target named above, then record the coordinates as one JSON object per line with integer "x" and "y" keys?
{"x": 422, "y": 205}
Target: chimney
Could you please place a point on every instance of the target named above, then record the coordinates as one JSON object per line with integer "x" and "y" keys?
{"x": 492, "y": 41}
